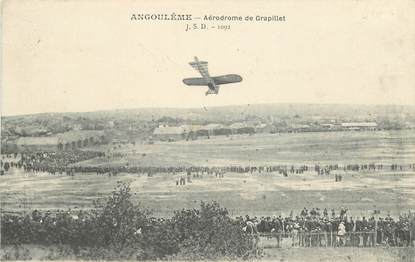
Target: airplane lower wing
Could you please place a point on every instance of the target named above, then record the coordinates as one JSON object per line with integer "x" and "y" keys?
{"x": 227, "y": 79}
{"x": 200, "y": 81}
{"x": 197, "y": 81}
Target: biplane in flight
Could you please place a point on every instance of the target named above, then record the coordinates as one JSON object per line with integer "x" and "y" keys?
{"x": 206, "y": 80}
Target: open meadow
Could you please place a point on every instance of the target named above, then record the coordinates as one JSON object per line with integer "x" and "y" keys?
{"x": 254, "y": 194}
{"x": 263, "y": 149}
{"x": 38, "y": 253}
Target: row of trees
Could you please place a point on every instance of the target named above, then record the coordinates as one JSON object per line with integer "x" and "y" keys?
{"x": 119, "y": 229}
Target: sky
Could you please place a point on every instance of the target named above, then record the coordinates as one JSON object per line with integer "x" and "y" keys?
{"x": 72, "y": 56}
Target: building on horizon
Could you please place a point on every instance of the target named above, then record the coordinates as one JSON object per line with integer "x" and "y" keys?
{"x": 71, "y": 140}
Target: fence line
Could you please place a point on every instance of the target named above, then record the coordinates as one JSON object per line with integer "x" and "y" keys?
{"x": 331, "y": 239}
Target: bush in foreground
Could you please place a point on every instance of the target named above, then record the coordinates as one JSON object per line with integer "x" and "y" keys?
{"x": 119, "y": 229}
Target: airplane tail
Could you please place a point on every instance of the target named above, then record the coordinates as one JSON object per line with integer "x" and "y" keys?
{"x": 200, "y": 66}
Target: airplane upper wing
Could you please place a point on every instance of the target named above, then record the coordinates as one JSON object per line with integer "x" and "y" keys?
{"x": 201, "y": 67}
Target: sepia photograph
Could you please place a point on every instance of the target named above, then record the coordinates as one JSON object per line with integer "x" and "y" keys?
{"x": 207, "y": 130}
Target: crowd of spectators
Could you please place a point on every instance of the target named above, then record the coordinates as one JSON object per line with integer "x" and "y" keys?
{"x": 65, "y": 162}
{"x": 317, "y": 227}
{"x": 50, "y": 162}
{"x": 310, "y": 228}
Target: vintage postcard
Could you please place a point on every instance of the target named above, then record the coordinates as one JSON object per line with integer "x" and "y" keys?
{"x": 207, "y": 130}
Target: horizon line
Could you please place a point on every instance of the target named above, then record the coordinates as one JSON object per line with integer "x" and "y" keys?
{"x": 193, "y": 107}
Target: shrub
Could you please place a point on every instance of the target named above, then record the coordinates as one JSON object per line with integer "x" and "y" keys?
{"x": 117, "y": 229}
{"x": 209, "y": 233}
{"x": 117, "y": 222}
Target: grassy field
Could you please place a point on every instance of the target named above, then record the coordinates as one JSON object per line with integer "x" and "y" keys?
{"x": 38, "y": 253}
{"x": 254, "y": 194}
{"x": 295, "y": 148}
{"x": 341, "y": 254}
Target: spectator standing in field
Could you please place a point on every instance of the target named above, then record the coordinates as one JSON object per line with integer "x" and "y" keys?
{"x": 349, "y": 230}
{"x": 343, "y": 212}
{"x": 6, "y": 166}
{"x": 340, "y": 234}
